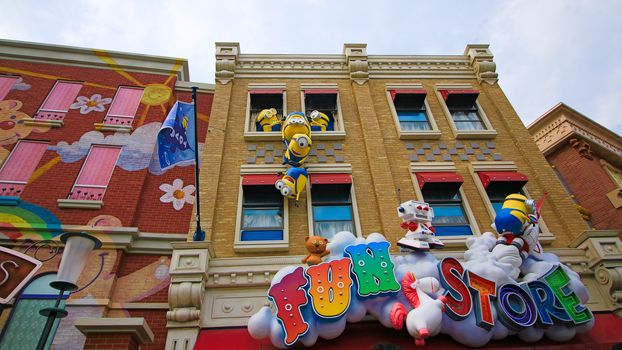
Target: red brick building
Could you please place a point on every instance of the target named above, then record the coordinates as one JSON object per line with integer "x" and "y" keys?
{"x": 78, "y": 131}
{"x": 587, "y": 158}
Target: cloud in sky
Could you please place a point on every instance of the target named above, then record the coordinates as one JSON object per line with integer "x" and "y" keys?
{"x": 546, "y": 51}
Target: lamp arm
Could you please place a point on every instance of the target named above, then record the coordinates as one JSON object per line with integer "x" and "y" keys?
{"x": 101, "y": 269}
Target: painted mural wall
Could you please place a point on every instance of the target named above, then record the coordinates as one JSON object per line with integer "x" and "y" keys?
{"x": 139, "y": 193}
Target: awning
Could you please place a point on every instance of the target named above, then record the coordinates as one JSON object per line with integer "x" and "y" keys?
{"x": 445, "y": 183}
{"x": 488, "y": 177}
{"x": 504, "y": 181}
{"x": 330, "y": 179}
{"x": 260, "y": 179}
{"x": 407, "y": 92}
{"x": 265, "y": 91}
{"x": 460, "y": 97}
{"x": 365, "y": 335}
{"x": 320, "y": 91}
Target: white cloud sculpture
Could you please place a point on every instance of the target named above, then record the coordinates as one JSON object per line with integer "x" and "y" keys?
{"x": 478, "y": 259}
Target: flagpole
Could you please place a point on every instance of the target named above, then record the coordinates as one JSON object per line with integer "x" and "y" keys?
{"x": 199, "y": 235}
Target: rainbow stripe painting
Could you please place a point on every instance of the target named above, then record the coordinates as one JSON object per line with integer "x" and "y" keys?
{"x": 27, "y": 220}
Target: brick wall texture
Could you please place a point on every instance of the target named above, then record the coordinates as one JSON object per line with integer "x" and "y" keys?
{"x": 589, "y": 182}
{"x": 379, "y": 158}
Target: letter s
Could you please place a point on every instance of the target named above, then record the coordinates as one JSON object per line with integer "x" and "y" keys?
{"x": 6, "y": 273}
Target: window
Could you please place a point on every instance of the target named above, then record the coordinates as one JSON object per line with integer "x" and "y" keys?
{"x": 499, "y": 184}
{"x": 442, "y": 192}
{"x": 324, "y": 101}
{"x": 262, "y": 213}
{"x": 94, "y": 176}
{"x": 331, "y": 204}
{"x": 25, "y": 325}
{"x": 123, "y": 109}
{"x": 463, "y": 109}
{"x": 265, "y": 99}
{"x": 57, "y": 103}
{"x": 410, "y": 109}
{"x": 19, "y": 166}
{"x": 614, "y": 174}
{"x": 6, "y": 84}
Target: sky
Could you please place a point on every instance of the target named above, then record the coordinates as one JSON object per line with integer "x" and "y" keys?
{"x": 546, "y": 51}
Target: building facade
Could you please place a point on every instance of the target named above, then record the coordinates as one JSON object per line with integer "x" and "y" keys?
{"x": 433, "y": 128}
{"x": 587, "y": 158}
{"x": 78, "y": 131}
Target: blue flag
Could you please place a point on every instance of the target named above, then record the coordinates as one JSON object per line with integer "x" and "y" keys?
{"x": 176, "y": 141}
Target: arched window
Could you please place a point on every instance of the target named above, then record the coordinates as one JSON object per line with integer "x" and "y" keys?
{"x": 25, "y": 324}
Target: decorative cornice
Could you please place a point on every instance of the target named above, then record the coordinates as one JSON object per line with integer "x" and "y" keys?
{"x": 551, "y": 135}
{"x": 354, "y": 63}
{"x": 128, "y": 239}
{"x": 481, "y": 60}
{"x": 82, "y": 57}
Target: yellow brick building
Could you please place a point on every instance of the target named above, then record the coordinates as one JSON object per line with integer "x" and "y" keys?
{"x": 400, "y": 125}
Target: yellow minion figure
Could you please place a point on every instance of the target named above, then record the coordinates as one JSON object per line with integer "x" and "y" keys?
{"x": 295, "y": 123}
{"x": 319, "y": 121}
{"x": 297, "y": 150}
{"x": 268, "y": 120}
{"x": 516, "y": 215}
{"x": 292, "y": 183}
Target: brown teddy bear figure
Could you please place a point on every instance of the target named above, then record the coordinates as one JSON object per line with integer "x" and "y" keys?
{"x": 316, "y": 246}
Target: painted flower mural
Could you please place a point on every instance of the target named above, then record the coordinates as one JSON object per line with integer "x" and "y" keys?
{"x": 177, "y": 194}
{"x": 94, "y": 103}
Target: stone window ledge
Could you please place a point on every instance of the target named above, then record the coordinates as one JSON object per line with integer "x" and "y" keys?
{"x": 136, "y": 326}
{"x": 42, "y": 122}
{"x": 109, "y": 127}
{"x": 79, "y": 204}
{"x": 420, "y": 135}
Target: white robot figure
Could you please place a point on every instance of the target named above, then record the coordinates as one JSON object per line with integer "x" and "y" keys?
{"x": 417, "y": 219}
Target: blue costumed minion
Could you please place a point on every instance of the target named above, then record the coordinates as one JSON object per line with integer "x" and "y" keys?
{"x": 514, "y": 214}
{"x": 269, "y": 120}
{"x": 293, "y": 182}
{"x": 295, "y": 123}
{"x": 297, "y": 150}
{"x": 319, "y": 121}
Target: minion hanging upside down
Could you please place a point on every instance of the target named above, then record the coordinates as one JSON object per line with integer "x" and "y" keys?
{"x": 293, "y": 182}
{"x": 269, "y": 120}
{"x": 319, "y": 121}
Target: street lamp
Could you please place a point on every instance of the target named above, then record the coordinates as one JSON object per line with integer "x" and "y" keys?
{"x": 78, "y": 246}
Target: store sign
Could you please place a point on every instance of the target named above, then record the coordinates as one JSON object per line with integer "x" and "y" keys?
{"x": 542, "y": 302}
{"x": 16, "y": 269}
{"x": 366, "y": 271}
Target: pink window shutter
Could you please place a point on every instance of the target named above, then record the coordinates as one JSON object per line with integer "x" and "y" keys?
{"x": 124, "y": 106}
{"x": 59, "y": 100}
{"x": 63, "y": 94}
{"x": 19, "y": 166}
{"x": 95, "y": 174}
{"x": 126, "y": 102}
{"x": 6, "y": 83}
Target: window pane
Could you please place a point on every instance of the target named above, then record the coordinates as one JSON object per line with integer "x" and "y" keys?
{"x": 265, "y": 101}
{"x": 262, "y": 195}
{"x": 617, "y": 178}
{"x": 470, "y": 126}
{"x": 448, "y": 214}
{"x": 462, "y": 230}
{"x": 262, "y": 235}
{"x": 465, "y": 115}
{"x": 321, "y": 102}
{"x": 262, "y": 218}
{"x": 328, "y": 229}
{"x": 413, "y": 126}
{"x": 409, "y": 101}
{"x": 412, "y": 116}
{"x": 497, "y": 206}
{"x": 325, "y": 194}
{"x": 333, "y": 212}
{"x": 441, "y": 191}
